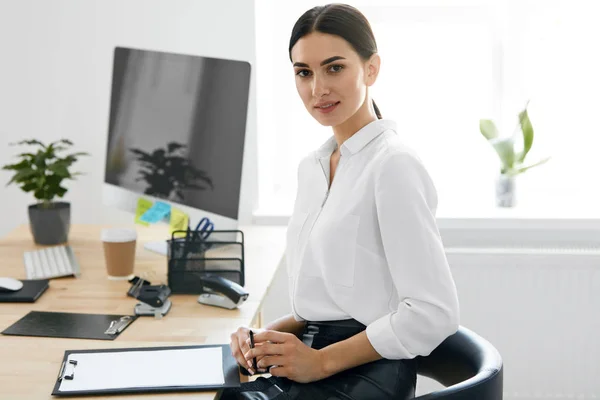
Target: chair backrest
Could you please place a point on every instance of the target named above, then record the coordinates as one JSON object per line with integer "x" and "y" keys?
{"x": 467, "y": 365}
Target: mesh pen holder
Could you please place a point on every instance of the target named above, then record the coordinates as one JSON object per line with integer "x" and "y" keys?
{"x": 191, "y": 256}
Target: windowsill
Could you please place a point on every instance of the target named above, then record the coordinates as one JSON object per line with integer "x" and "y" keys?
{"x": 495, "y": 219}
{"x": 574, "y": 212}
{"x": 513, "y": 228}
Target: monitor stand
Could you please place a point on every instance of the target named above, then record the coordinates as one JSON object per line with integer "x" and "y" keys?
{"x": 159, "y": 247}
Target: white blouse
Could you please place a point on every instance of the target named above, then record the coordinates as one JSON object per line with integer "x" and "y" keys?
{"x": 369, "y": 248}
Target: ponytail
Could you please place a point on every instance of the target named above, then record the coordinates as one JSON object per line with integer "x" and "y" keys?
{"x": 377, "y": 112}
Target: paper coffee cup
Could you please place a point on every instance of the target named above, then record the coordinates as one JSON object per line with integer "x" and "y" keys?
{"x": 119, "y": 252}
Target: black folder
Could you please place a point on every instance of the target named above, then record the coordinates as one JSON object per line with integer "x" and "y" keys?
{"x": 102, "y": 377}
{"x": 67, "y": 325}
{"x": 29, "y": 293}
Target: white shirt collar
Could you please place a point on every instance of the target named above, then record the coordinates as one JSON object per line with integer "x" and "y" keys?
{"x": 358, "y": 141}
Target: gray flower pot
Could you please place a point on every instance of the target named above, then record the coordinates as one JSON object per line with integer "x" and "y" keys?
{"x": 505, "y": 191}
{"x": 50, "y": 225}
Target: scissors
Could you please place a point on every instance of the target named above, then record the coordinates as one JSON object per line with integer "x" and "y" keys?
{"x": 204, "y": 228}
{"x": 191, "y": 245}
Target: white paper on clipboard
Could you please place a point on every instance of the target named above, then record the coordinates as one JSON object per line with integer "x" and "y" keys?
{"x": 144, "y": 369}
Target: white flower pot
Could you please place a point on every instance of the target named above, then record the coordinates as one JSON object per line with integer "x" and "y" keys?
{"x": 505, "y": 191}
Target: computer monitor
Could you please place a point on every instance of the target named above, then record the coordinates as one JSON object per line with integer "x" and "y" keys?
{"x": 176, "y": 133}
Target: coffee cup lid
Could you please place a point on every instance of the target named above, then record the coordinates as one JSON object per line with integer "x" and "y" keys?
{"x": 118, "y": 235}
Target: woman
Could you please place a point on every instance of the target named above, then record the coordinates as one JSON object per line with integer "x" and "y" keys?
{"x": 369, "y": 282}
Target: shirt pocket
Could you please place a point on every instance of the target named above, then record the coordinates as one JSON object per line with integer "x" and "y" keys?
{"x": 338, "y": 251}
{"x": 294, "y": 230}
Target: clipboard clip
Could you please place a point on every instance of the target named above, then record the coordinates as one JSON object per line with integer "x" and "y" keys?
{"x": 63, "y": 370}
{"x": 117, "y": 326}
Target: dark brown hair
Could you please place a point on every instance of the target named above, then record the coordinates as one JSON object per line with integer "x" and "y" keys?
{"x": 341, "y": 20}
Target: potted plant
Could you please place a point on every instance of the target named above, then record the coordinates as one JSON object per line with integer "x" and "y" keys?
{"x": 168, "y": 172}
{"x": 42, "y": 172}
{"x": 512, "y": 162}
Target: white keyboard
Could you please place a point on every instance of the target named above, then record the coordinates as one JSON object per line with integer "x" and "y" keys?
{"x": 51, "y": 262}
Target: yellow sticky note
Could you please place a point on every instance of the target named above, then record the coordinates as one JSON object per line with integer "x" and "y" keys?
{"x": 143, "y": 205}
{"x": 179, "y": 222}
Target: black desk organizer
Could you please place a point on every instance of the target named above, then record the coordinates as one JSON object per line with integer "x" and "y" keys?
{"x": 191, "y": 256}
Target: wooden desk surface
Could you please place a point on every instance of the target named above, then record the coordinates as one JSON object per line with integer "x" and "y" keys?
{"x": 29, "y": 365}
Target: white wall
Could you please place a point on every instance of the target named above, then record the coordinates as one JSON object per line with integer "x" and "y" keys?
{"x": 55, "y": 76}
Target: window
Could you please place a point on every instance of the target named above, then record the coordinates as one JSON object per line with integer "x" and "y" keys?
{"x": 553, "y": 60}
{"x": 445, "y": 65}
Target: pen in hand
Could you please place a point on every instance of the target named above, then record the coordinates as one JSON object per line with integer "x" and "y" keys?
{"x": 252, "y": 346}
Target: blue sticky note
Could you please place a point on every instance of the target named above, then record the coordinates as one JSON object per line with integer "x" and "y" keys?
{"x": 156, "y": 213}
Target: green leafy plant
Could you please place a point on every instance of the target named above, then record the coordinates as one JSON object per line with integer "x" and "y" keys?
{"x": 513, "y": 161}
{"x": 169, "y": 172}
{"x": 42, "y": 172}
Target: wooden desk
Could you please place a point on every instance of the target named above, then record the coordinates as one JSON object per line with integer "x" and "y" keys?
{"x": 29, "y": 365}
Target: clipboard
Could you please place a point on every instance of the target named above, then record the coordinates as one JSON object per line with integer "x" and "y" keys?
{"x": 91, "y": 372}
{"x": 70, "y": 325}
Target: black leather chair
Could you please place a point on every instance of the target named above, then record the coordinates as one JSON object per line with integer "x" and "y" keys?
{"x": 467, "y": 365}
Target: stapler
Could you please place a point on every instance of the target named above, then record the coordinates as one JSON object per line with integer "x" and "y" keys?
{"x": 153, "y": 298}
{"x": 221, "y": 292}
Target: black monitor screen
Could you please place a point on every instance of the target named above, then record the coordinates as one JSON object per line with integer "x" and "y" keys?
{"x": 177, "y": 127}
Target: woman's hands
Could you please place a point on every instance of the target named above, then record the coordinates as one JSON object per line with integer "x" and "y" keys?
{"x": 286, "y": 356}
{"x": 240, "y": 339}
{"x": 240, "y": 345}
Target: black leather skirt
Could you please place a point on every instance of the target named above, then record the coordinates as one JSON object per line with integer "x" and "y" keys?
{"x": 378, "y": 380}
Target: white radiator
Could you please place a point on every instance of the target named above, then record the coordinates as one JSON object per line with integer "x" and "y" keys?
{"x": 540, "y": 307}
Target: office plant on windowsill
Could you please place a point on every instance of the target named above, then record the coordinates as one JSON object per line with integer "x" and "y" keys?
{"x": 512, "y": 162}
{"x": 42, "y": 172}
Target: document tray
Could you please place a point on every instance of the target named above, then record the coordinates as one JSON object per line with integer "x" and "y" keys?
{"x": 191, "y": 257}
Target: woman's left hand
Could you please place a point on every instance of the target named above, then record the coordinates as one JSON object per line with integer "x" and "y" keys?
{"x": 287, "y": 356}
